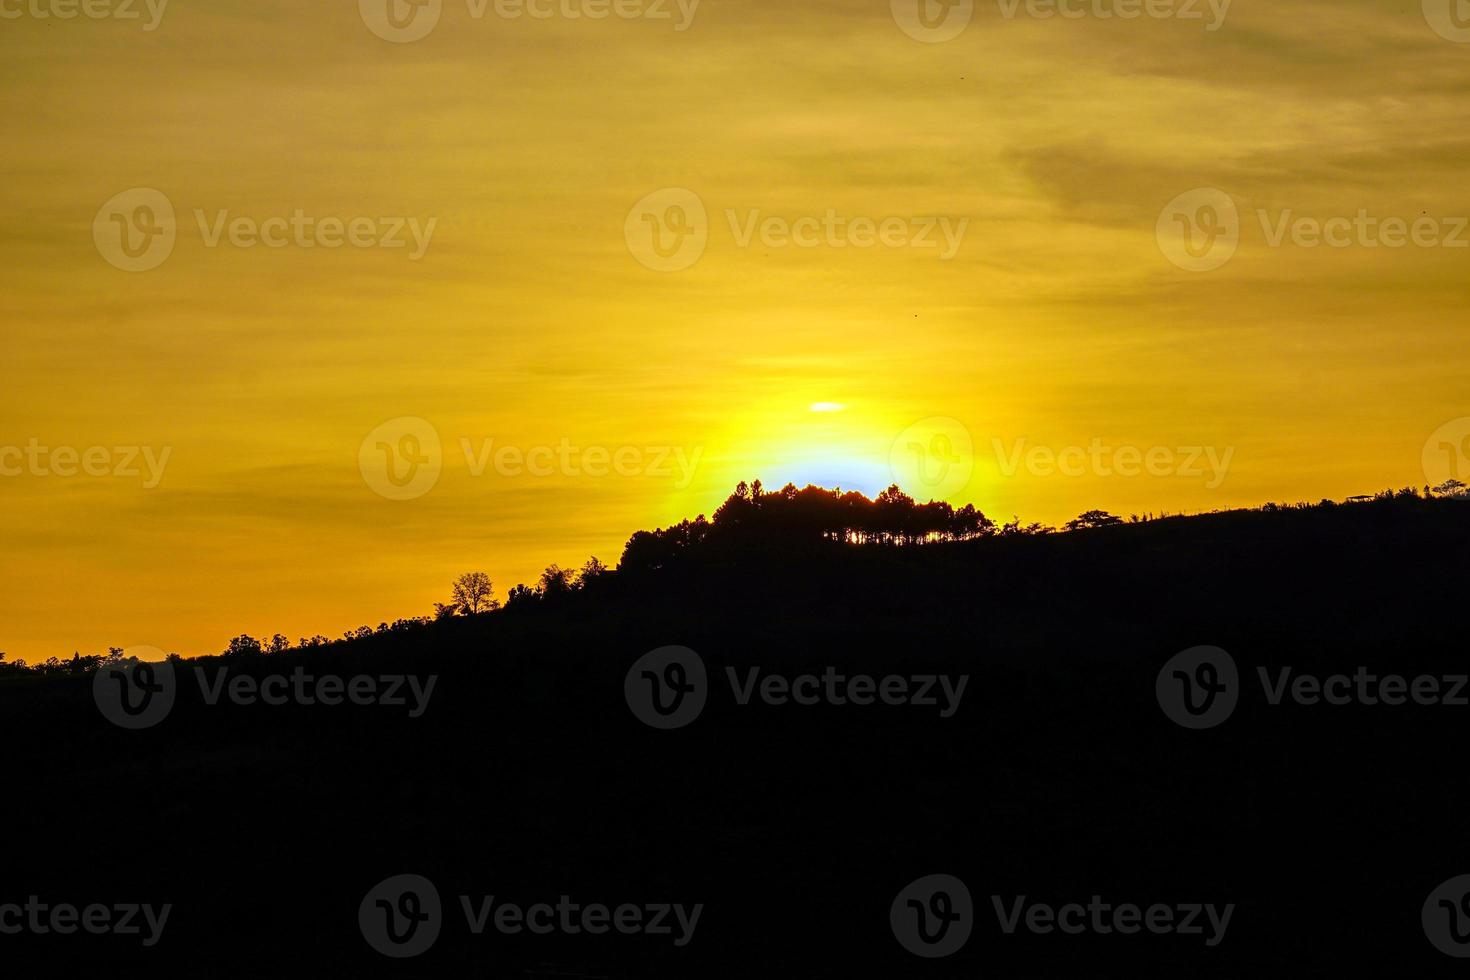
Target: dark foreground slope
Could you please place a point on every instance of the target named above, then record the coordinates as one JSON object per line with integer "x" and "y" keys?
{"x": 1058, "y": 778}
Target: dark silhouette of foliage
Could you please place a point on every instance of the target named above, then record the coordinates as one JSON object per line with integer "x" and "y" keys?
{"x": 520, "y": 596}
{"x": 1091, "y": 519}
{"x": 591, "y": 570}
{"x": 749, "y": 521}
{"x": 555, "y": 581}
{"x": 243, "y": 646}
{"x": 473, "y": 594}
{"x": 789, "y": 517}
{"x": 1450, "y": 488}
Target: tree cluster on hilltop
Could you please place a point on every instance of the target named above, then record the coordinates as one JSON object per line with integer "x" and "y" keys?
{"x": 753, "y": 517}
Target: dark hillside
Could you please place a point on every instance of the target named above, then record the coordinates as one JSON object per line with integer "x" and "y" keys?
{"x": 1058, "y": 775}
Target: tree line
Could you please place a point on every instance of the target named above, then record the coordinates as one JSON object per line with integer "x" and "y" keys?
{"x": 750, "y": 517}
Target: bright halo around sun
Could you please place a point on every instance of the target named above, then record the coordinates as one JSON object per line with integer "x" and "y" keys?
{"x": 803, "y": 441}
{"x": 860, "y": 445}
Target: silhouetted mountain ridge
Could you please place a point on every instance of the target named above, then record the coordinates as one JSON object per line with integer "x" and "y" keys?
{"x": 529, "y": 776}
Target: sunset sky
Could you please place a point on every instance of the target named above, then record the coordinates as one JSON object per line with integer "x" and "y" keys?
{"x": 1052, "y": 146}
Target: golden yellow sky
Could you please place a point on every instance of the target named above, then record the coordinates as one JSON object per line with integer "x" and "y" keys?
{"x": 532, "y": 319}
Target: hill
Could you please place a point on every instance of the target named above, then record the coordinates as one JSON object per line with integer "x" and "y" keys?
{"x": 997, "y": 707}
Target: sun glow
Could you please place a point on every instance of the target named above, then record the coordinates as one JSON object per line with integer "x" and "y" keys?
{"x": 780, "y": 441}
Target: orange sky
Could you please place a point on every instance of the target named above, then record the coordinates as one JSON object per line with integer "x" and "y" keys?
{"x": 942, "y": 262}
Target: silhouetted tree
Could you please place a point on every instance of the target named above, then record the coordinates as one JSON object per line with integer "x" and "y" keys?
{"x": 555, "y": 581}
{"x": 1449, "y": 488}
{"x": 519, "y": 596}
{"x": 243, "y": 645}
{"x": 1014, "y": 528}
{"x": 1092, "y": 518}
{"x": 591, "y": 570}
{"x": 472, "y": 593}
